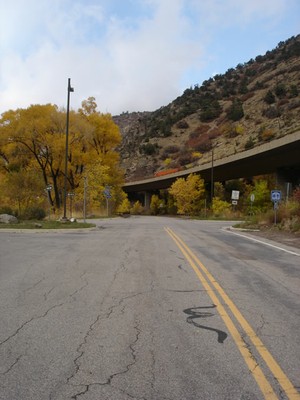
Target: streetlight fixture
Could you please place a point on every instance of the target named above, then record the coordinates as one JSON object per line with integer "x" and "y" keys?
{"x": 70, "y": 89}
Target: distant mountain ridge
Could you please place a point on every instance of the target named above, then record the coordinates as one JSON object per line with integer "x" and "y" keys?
{"x": 248, "y": 105}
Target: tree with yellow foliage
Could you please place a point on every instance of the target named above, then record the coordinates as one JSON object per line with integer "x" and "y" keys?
{"x": 189, "y": 194}
{"x": 33, "y": 142}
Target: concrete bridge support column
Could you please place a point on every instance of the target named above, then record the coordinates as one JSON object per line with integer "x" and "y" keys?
{"x": 147, "y": 200}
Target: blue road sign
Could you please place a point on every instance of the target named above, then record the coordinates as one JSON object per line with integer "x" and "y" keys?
{"x": 275, "y": 195}
{"x": 107, "y": 193}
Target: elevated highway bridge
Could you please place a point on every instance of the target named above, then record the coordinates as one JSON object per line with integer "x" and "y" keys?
{"x": 280, "y": 156}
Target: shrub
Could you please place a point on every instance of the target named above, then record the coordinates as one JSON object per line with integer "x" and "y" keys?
{"x": 6, "y": 210}
{"x": 210, "y": 110}
{"x": 271, "y": 112}
{"x": 294, "y": 91}
{"x": 196, "y": 154}
{"x": 148, "y": 148}
{"x": 280, "y": 90}
{"x": 185, "y": 157}
{"x": 203, "y": 128}
{"x": 137, "y": 208}
{"x": 220, "y": 207}
{"x": 214, "y": 133}
{"x": 231, "y": 131}
{"x": 167, "y": 161}
{"x": 157, "y": 205}
{"x": 296, "y": 194}
{"x": 34, "y": 213}
{"x": 124, "y": 207}
{"x": 172, "y": 149}
{"x": 182, "y": 124}
{"x": 204, "y": 144}
{"x": 269, "y": 97}
{"x": 249, "y": 144}
{"x": 267, "y": 134}
{"x": 235, "y": 111}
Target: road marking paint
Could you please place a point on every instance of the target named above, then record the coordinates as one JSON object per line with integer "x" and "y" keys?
{"x": 261, "y": 241}
{"x": 254, "y": 368}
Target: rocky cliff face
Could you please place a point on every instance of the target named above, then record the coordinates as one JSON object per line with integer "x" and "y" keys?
{"x": 254, "y": 103}
{"x": 133, "y": 130}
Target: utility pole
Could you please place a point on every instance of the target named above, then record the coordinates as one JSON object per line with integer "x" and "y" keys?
{"x": 70, "y": 89}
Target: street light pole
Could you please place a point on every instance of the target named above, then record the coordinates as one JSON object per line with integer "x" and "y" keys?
{"x": 212, "y": 177}
{"x": 212, "y": 187}
{"x": 70, "y": 89}
{"x": 48, "y": 190}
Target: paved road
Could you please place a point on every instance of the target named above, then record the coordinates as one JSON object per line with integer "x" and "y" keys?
{"x": 148, "y": 308}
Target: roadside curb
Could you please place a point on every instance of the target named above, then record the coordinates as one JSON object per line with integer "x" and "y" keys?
{"x": 231, "y": 228}
{"x": 62, "y": 230}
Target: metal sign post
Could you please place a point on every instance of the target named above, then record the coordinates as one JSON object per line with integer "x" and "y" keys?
{"x": 275, "y": 198}
{"x": 108, "y": 196}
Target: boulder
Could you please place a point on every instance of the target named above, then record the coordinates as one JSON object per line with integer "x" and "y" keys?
{"x": 8, "y": 219}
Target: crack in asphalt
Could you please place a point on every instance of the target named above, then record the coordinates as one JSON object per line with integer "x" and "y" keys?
{"x": 91, "y": 328}
{"x": 12, "y": 365}
{"x": 48, "y": 293}
{"x": 248, "y": 347}
{"x": 30, "y": 320}
{"x": 34, "y": 285}
{"x": 261, "y": 327}
{"x": 45, "y": 313}
{"x": 82, "y": 287}
{"x": 99, "y": 317}
{"x": 108, "y": 382}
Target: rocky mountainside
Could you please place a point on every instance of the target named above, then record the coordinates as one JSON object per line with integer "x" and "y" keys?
{"x": 248, "y": 105}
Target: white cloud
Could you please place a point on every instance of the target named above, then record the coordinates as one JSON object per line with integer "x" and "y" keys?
{"x": 136, "y": 57}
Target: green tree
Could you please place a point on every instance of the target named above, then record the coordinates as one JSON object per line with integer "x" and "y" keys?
{"x": 262, "y": 200}
{"x": 235, "y": 111}
{"x": 269, "y": 97}
{"x": 280, "y": 90}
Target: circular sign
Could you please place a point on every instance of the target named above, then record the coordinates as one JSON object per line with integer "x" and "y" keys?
{"x": 252, "y": 197}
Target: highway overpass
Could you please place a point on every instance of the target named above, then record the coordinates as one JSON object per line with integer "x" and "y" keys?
{"x": 280, "y": 156}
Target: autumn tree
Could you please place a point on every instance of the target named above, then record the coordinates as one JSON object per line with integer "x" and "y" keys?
{"x": 189, "y": 194}
{"x": 262, "y": 196}
{"x": 35, "y": 137}
{"x": 33, "y": 141}
{"x": 102, "y": 161}
{"x": 157, "y": 205}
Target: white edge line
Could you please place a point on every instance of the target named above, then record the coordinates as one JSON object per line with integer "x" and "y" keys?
{"x": 260, "y": 241}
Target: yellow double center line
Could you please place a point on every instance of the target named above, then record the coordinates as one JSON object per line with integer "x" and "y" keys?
{"x": 209, "y": 282}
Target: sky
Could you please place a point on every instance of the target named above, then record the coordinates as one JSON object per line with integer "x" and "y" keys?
{"x": 131, "y": 55}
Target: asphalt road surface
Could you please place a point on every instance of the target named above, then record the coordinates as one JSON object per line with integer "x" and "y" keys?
{"x": 148, "y": 308}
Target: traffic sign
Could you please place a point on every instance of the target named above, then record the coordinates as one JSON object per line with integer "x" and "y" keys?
{"x": 235, "y": 195}
{"x": 107, "y": 193}
{"x": 275, "y": 195}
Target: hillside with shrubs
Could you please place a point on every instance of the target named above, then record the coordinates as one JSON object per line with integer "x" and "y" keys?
{"x": 248, "y": 105}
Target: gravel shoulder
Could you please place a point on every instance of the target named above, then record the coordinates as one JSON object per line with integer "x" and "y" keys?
{"x": 287, "y": 238}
